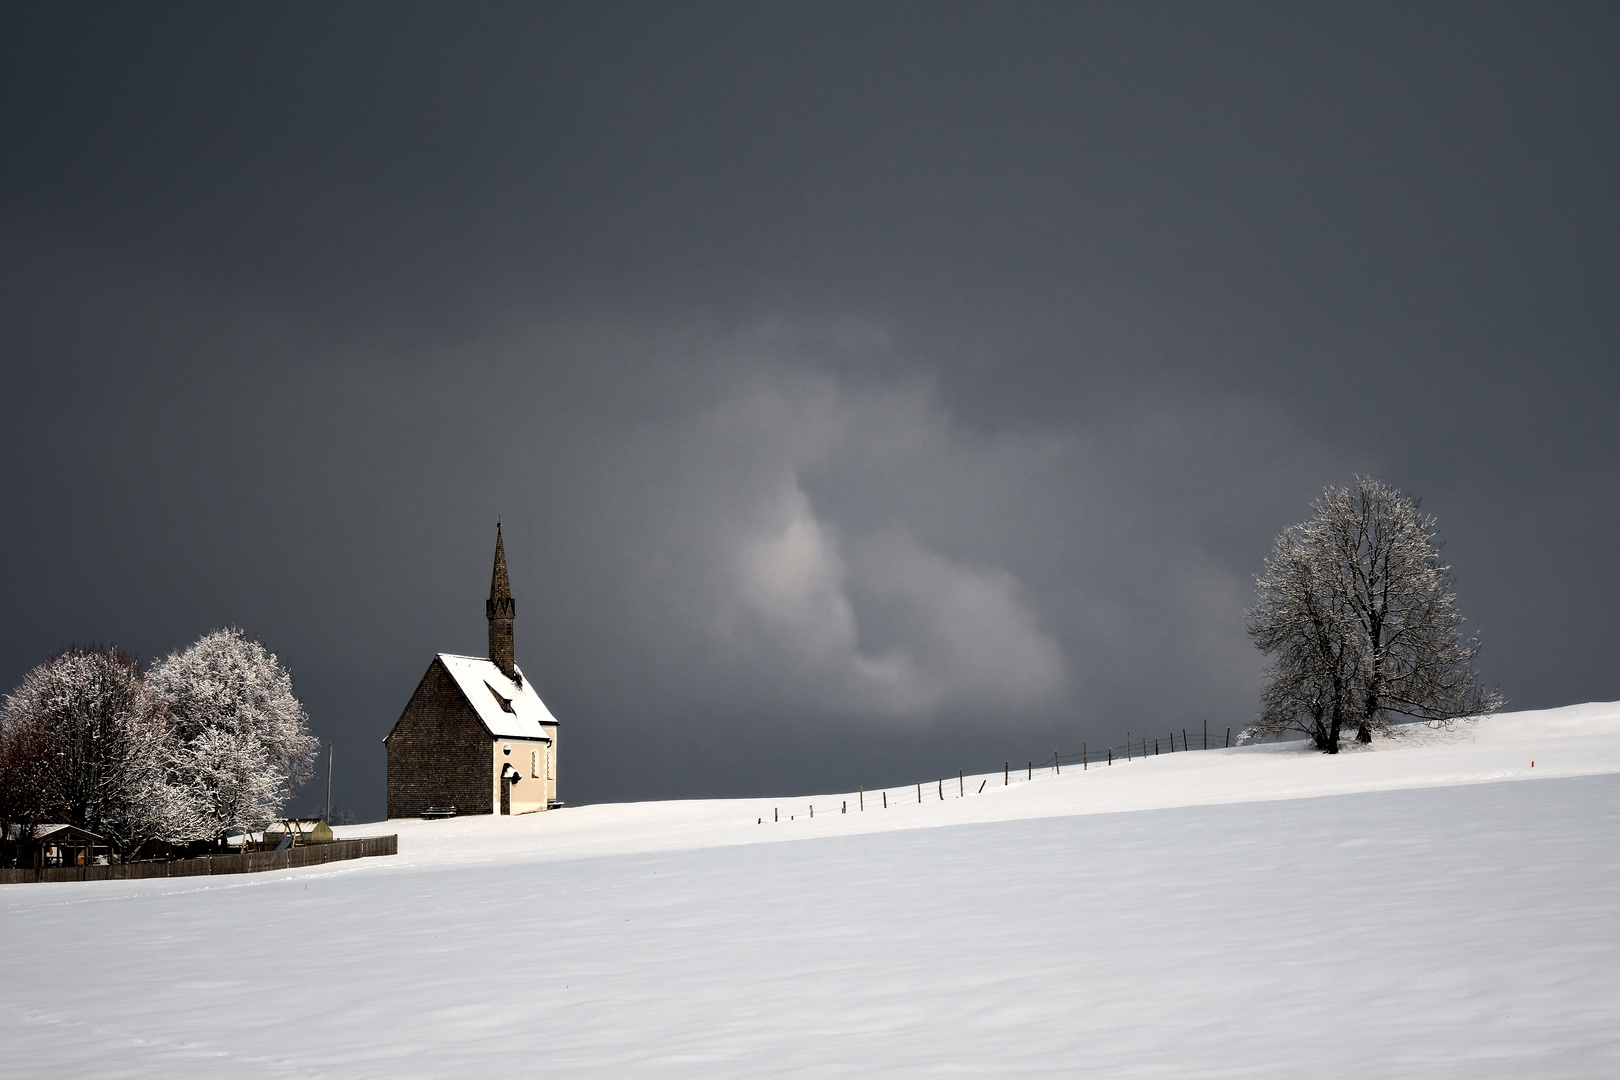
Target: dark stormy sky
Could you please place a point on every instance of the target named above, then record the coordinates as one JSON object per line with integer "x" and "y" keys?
{"x": 868, "y": 391}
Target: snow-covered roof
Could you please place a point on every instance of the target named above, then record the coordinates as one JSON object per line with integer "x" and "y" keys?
{"x": 55, "y": 831}
{"x": 510, "y": 710}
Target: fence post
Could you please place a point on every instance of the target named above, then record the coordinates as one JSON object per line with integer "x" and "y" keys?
{"x": 961, "y": 784}
{"x": 1127, "y": 746}
{"x": 1184, "y": 745}
{"x": 1155, "y": 746}
{"x": 843, "y": 807}
{"x": 1006, "y": 773}
{"x": 776, "y": 813}
{"x": 1110, "y": 755}
{"x": 1228, "y": 738}
{"x": 919, "y": 792}
{"x": 1085, "y": 758}
{"x": 863, "y": 799}
{"x": 1206, "y": 733}
{"x": 942, "y": 789}
{"x": 885, "y": 799}
{"x": 812, "y": 809}
{"x": 1057, "y": 763}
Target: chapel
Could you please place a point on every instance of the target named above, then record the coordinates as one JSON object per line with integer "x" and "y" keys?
{"x": 475, "y": 738}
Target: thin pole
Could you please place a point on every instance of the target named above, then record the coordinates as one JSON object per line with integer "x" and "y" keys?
{"x": 1031, "y": 769}
{"x": 1006, "y": 773}
{"x": 863, "y": 798}
{"x": 329, "y": 749}
{"x": 1127, "y": 746}
{"x": 919, "y": 791}
{"x": 942, "y": 789}
{"x": 1057, "y": 763}
{"x": 961, "y": 784}
{"x": 1085, "y": 758}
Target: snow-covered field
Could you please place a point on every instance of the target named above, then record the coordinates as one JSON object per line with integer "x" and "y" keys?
{"x": 1432, "y": 907}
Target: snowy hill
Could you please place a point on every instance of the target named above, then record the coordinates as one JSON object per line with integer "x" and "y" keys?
{"x": 1431, "y": 906}
{"x": 1578, "y": 740}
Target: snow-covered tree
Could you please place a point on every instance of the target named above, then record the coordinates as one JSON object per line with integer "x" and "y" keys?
{"x": 99, "y": 742}
{"x": 1358, "y": 614}
{"x": 229, "y": 780}
{"x": 243, "y": 740}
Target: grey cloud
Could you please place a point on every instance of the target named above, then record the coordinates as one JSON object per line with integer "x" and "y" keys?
{"x": 868, "y": 390}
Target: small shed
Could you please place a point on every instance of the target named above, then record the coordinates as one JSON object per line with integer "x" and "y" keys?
{"x": 69, "y": 845}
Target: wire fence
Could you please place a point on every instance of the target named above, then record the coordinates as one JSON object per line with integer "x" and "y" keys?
{"x": 1131, "y": 750}
{"x": 1147, "y": 746}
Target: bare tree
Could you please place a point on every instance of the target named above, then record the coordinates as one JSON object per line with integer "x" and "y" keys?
{"x": 1358, "y": 614}
{"x": 1300, "y": 623}
{"x": 30, "y": 792}
{"x": 104, "y": 737}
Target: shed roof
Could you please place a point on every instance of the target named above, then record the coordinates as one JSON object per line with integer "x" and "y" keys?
{"x": 509, "y": 708}
{"x": 62, "y": 833}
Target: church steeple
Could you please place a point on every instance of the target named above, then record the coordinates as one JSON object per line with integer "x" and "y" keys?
{"x": 501, "y": 609}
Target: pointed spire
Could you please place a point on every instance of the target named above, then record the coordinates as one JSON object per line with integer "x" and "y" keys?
{"x": 499, "y": 587}
{"x": 501, "y": 609}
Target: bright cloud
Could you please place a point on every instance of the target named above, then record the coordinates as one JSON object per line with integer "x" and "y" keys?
{"x": 954, "y": 634}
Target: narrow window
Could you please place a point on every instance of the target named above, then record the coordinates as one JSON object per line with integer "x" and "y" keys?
{"x": 534, "y": 763}
{"x": 548, "y": 762}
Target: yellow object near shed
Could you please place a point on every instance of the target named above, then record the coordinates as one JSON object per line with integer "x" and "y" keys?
{"x": 302, "y": 830}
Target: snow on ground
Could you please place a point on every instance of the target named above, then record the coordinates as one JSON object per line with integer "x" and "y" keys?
{"x": 1419, "y": 909}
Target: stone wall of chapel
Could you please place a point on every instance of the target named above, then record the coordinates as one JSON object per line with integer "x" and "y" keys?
{"x": 438, "y": 752}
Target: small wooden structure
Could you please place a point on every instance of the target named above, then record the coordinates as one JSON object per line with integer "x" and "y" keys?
{"x": 69, "y": 845}
{"x": 247, "y": 862}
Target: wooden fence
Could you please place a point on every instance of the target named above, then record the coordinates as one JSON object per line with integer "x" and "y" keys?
{"x": 251, "y": 862}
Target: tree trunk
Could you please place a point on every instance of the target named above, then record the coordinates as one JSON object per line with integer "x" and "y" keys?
{"x": 1332, "y": 746}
